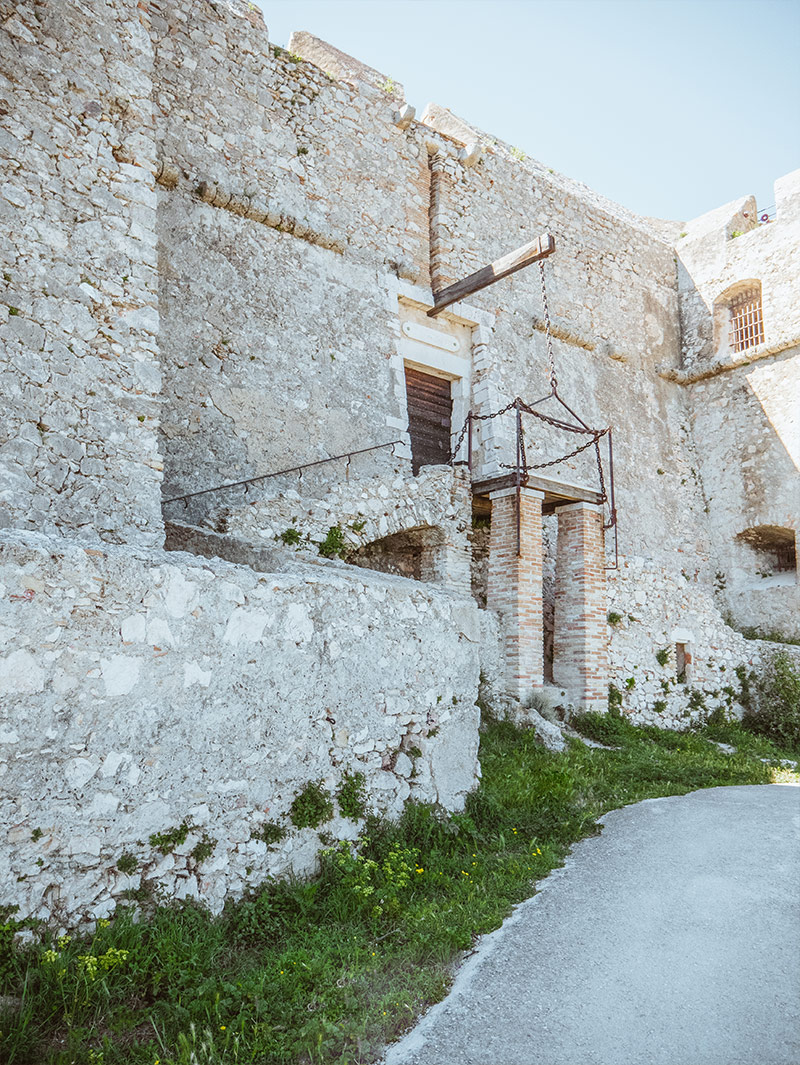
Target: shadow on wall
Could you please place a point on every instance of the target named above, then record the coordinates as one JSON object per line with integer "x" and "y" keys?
{"x": 410, "y": 553}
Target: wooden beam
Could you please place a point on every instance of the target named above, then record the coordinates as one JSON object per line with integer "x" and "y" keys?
{"x": 516, "y": 260}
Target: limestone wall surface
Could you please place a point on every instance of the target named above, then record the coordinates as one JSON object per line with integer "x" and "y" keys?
{"x": 212, "y": 248}
{"x": 651, "y": 611}
{"x": 266, "y": 367}
{"x": 140, "y": 692}
{"x": 745, "y": 406}
{"x": 79, "y": 371}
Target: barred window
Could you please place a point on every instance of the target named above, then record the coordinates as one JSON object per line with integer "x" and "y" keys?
{"x": 746, "y": 321}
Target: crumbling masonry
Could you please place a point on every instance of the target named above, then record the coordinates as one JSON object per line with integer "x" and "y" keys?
{"x": 218, "y": 262}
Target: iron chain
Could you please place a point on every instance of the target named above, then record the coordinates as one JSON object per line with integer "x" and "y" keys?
{"x": 550, "y": 358}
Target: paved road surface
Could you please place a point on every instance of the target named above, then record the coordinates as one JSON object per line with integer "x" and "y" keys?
{"x": 673, "y": 938}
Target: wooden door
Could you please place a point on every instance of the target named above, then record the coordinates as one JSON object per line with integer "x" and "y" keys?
{"x": 429, "y": 416}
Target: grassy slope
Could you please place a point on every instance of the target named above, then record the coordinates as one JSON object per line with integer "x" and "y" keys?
{"x": 329, "y": 970}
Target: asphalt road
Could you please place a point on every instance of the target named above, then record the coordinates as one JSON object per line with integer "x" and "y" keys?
{"x": 673, "y": 938}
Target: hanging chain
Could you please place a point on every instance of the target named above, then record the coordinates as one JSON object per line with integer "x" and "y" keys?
{"x": 522, "y": 467}
{"x": 478, "y": 418}
{"x": 555, "y": 421}
{"x": 550, "y": 357}
{"x": 563, "y": 458}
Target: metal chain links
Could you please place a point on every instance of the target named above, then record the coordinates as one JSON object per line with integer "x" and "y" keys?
{"x": 550, "y": 357}
{"x": 523, "y": 467}
{"x": 554, "y": 462}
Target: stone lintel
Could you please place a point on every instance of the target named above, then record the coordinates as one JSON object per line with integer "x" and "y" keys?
{"x": 527, "y": 493}
{"x": 595, "y": 508}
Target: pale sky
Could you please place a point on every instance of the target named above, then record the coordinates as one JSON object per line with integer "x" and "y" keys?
{"x": 670, "y": 107}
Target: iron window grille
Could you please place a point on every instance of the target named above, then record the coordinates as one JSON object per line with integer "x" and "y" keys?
{"x": 746, "y": 321}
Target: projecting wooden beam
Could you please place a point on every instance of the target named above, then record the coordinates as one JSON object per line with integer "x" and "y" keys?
{"x": 509, "y": 264}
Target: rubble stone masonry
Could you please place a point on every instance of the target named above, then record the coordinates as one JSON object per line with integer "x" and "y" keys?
{"x": 211, "y": 249}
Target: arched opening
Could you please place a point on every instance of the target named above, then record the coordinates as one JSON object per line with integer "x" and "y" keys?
{"x": 739, "y": 317}
{"x": 769, "y": 550}
{"x": 412, "y": 553}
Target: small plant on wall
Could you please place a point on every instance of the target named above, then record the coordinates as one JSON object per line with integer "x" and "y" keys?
{"x": 352, "y": 796}
{"x": 311, "y": 807}
{"x": 333, "y": 546}
{"x": 662, "y": 656}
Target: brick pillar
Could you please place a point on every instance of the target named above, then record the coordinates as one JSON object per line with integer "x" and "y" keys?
{"x": 515, "y": 586}
{"x": 580, "y": 651}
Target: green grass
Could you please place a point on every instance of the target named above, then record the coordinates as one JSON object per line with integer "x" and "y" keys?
{"x": 329, "y": 970}
{"x": 747, "y": 742}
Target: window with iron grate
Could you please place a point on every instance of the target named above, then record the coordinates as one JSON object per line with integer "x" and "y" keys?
{"x": 746, "y": 329}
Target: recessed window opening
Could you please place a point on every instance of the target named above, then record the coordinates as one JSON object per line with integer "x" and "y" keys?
{"x": 746, "y": 328}
{"x": 430, "y": 408}
{"x": 773, "y": 549}
{"x": 410, "y": 553}
{"x": 683, "y": 659}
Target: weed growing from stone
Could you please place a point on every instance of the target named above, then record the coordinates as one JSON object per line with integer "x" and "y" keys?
{"x": 311, "y": 807}
{"x": 333, "y": 546}
{"x": 204, "y": 848}
{"x": 662, "y": 656}
{"x": 269, "y": 833}
{"x": 352, "y": 796}
{"x": 166, "y": 842}
{"x": 127, "y": 863}
{"x": 329, "y": 970}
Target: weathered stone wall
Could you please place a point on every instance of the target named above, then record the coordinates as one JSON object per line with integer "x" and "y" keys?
{"x": 258, "y": 227}
{"x": 743, "y": 407}
{"x": 267, "y": 367}
{"x": 79, "y": 372}
{"x": 436, "y": 504}
{"x": 260, "y": 294}
{"x": 141, "y": 691}
{"x": 651, "y": 610}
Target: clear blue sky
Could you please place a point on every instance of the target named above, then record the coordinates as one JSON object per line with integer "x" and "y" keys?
{"x": 670, "y": 107}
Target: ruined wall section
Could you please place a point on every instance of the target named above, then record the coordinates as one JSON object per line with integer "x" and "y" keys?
{"x": 744, "y": 411}
{"x": 146, "y": 691}
{"x": 728, "y": 246}
{"x": 78, "y": 295}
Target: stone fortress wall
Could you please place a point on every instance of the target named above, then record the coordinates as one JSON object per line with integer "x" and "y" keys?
{"x": 218, "y": 255}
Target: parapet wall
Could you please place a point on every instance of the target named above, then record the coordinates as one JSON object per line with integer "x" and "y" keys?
{"x": 140, "y": 692}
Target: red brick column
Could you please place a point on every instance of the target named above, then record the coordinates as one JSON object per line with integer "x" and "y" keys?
{"x": 580, "y": 644}
{"x": 515, "y": 586}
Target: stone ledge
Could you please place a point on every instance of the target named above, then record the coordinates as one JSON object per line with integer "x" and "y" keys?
{"x": 713, "y": 369}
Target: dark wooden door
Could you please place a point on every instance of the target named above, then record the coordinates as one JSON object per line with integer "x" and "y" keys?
{"x": 429, "y": 415}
